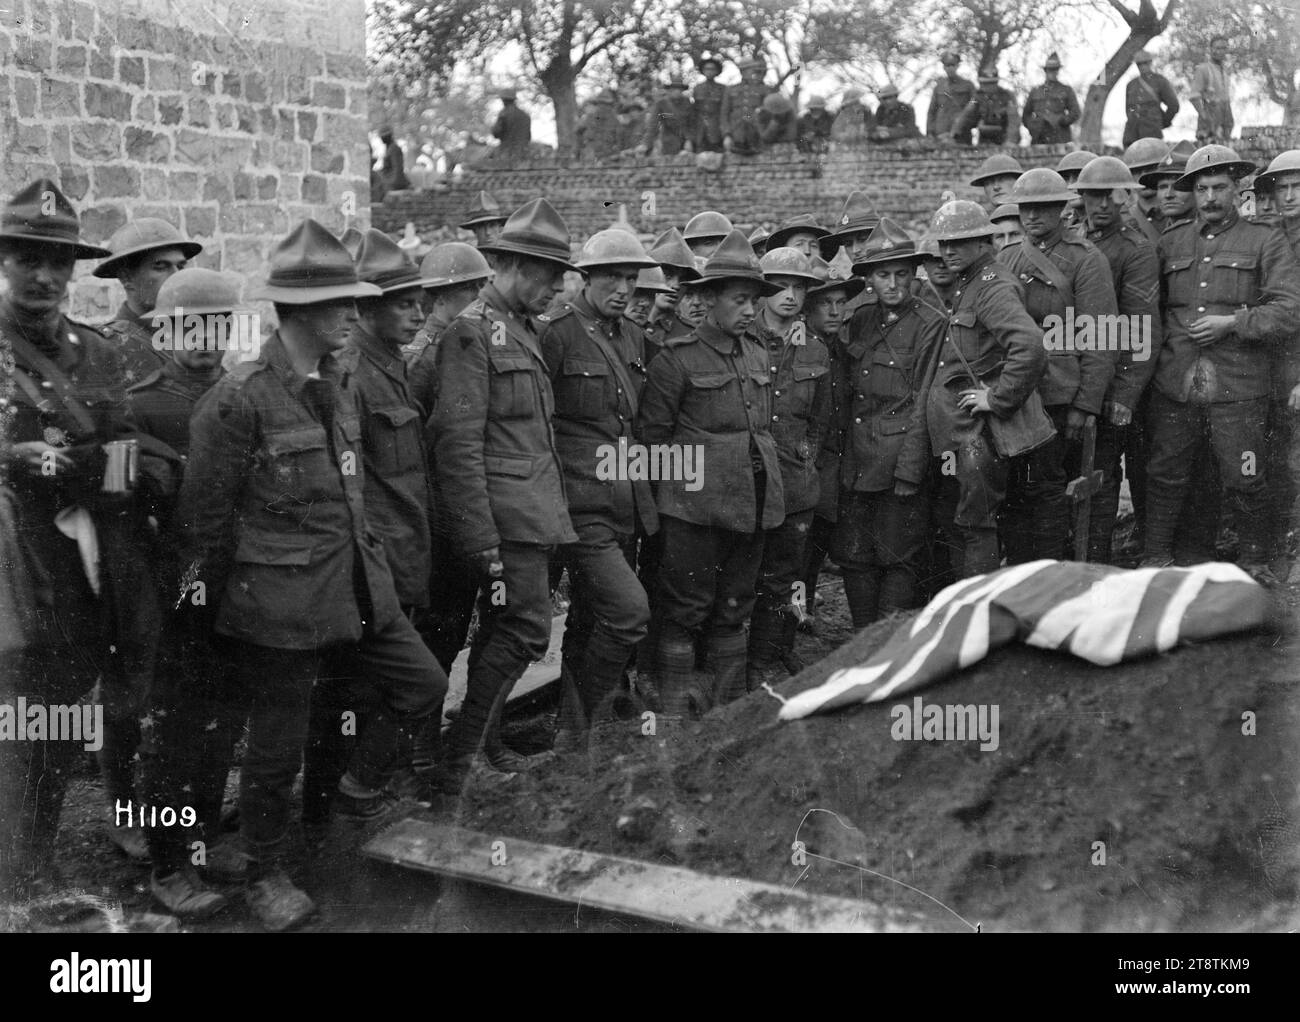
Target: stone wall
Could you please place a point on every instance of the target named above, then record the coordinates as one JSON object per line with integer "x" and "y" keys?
{"x": 230, "y": 120}
{"x": 906, "y": 180}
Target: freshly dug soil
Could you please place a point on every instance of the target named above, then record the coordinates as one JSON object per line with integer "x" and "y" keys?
{"x": 1122, "y": 798}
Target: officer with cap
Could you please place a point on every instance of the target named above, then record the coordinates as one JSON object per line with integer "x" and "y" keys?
{"x": 709, "y": 95}
{"x": 799, "y": 364}
{"x": 990, "y": 361}
{"x": 145, "y": 253}
{"x": 1051, "y": 108}
{"x": 1104, "y": 185}
{"x": 1230, "y": 290}
{"x": 884, "y": 507}
{"x": 273, "y": 529}
{"x": 485, "y": 219}
{"x": 740, "y": 107}
{"x": 513, "y": 128}
{"x": 992, "y": 111}
{"x": 894, "y": 118}
{"x": 1149, "y": 101}
{"x": 671, "y": 120}
{"x": 952, "y": 94}
{"x": 709, "y": 396}
{"x": 997, "y": 175}
{"x": 595, "y": 357}
{"x": 499, "y": 478}
{"x": 1068, "y": 289}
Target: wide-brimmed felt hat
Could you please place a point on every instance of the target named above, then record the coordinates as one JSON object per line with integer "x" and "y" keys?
{"x": 352, "y": 239}
{"x": 670, "y": 249}
{"x": 199, "y": 291}
{"x": 734, "y": 259}
{"x": 40, "y": 212}
{"x": 140, "y": 236}
{"x": 889, "y": 243}
{"x": 535, "y": 230}
{"x": 803, "y": 223}
{"x": 859, "y": 214}
{"x": 486, "y": 211}
{"x": 709, "y": 58}
{"x": 384, "y": 263}
{"x": 1053, "y": 62}
{"x": 311, "y": 265}
{"x": 830, "y": 278}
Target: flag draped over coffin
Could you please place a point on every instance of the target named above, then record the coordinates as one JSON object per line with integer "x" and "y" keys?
{"x": 1094, "y": 611}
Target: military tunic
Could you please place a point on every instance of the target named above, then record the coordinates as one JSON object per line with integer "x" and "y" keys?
{"x": 994, "y": 113}
{"x": 949, "y": 98}
{"x": 670, "y": 121}
{"x": 135, "y": 335}
{"x": 709, "y": 124}
{"x": 894, "y": 120}
{"x": 1057, "y": 101}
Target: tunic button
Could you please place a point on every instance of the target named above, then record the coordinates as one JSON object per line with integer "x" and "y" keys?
{"x": 857, "y": 420}
{"x": 749, "y": 404}
{"x": 1204, "y": 284}
{"x": 47, "y": 384}
{"x": 775, "y": 417}
{"x": 778, "y": 393}
{"x": 1206, "y": 259}
{"x": 864, "y": 372}
{"x": 1201, "y": 309}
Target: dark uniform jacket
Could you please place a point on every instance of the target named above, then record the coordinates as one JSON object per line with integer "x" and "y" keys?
{"x": 514, "y": 129}
{"x": 1057, "y": 100}
{"x": 272, "y": 509}
{"x": 1237, "y": 268}
{"x": 853, "y": 123}
{"x": 598, "y": 131}
{"x": 163, "y": 402}
{"x": 398, "y": 497}
{"x": 1286, "y": 372}
{"x": 884, "y": 438}
{"x": 994, "y": 113}
{"x": 828, "y": 458}
{"x": 597, "y": 371}
{"x": 999, "y": 340}
{"x": 1150, "y": 106}
{"x": 671, "y": 120}
{"x": 709, "y": 129}
{"x": 498, "y": 473}
{"x": 740, "y": 108}
{"x": 715, "y": 391}
{"x": 421, "y": 357}
{"x": 814, "y": 129}
{"x": 1077, "y": 378}
{"x": 897, "y": 119}
{"x": 134, "y": 335}
{"x": 1135, "y": 275}
{"x": 801, "y": 408}
{"x": 947, "y": 102}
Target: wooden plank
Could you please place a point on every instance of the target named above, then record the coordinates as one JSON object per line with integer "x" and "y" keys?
{"x": 538, "y": 675}
{"x": 666, "y": 894}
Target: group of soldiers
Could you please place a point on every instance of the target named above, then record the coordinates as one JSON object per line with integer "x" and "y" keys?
{"x": 686, "y": 429}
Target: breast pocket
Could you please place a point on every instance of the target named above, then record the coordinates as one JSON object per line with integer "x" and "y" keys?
{"x": 1178, "y": 281}
{"x": 891, "y": 375}
{"x": 299, "y": 465}
{"x": 1234, "y": 280}
{"x": 394, "y": 442}
{"x": 804, "y": 385}
{"x": 511, "y": 389}
{"x": 711, "y": 402}
{"x": 582, "y": 391}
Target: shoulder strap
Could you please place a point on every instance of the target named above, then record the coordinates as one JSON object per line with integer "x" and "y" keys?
{"x": 28, "y": 352}
{"x": 952, "y": 343}
{"x": 1048, "y": 270}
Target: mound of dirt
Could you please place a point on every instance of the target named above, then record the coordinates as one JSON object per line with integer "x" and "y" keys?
{"x": 1155, "y": 795}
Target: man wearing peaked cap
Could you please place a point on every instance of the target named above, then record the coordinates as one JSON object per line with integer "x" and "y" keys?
{"x": 273, "y": 524}
{"x": 894, "y": 118}
{"x": 62, "y": 388}
{"x": 1231, "y": 288}
{"x": 498, "y": 474}
{"x": 595, "y": 356}
{"x": 1051, "y": 108}
{"x": 710, "y": 395}
{"x": 799, "y": 365}
{"x": 992, "y": 111}
{"x": 1149, "y": 101}
{"x": 884, "y": 467}
{"x": 145, "y": 253}
{"x": 952, "y": 93}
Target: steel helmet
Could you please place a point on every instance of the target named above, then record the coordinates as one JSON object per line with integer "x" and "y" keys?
{"x": 651, "y": 278}
{"x": 707, "y": 226}
{"x": 613, "y": 247}
{"x": 1075, "y": 161}
{"x": 1213, "y": 157}
{"x": 1284, "y": 163}
{"x": 1145, "y": 153}
{"x": 146, "y": 234}
{"x": 1103, "y": 174}
{"x": 1007, "y": 211}
{"x": 453, "y": 262}
{"x": 1039, "y": 185}
{"x": 959, "y": 220}
{"x": 197, "y": 290}
{"x": 759, "y": 238}
{"x": 997, "y": 165}
{"x": 788, "y": 262}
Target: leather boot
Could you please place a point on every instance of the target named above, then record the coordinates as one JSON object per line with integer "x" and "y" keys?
{"x": 862, "y": 588}
{"x": 764, "y": 653}
{"x": 676, "y": 660}
{"x": 726, "y": 657}
{"x": 1164, "y": 504}
{"x": 789, "y": 658}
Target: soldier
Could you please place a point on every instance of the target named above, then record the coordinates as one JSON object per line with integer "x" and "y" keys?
{"x": 145, "y": 253}
{"x": 1072, "y": 163}
{"x": 1051, "y": 107}
{"x": 498, "y": 473}
{"x": 1144, "y": 210}
{"x": 392, "y": 167}
{"x": 740, "y": 106}
{"x": 272, "y": 525}
{"x": 709, "y": 396}
{"x": 597, "y": 131}
{"x": 1006, "y": 225}
{"x": 513, "y": 129}
{"x": 952, "y": 94}
{"x": 758, "y": 238}
{"x": 1068, "y": 289}
{"x": 674, "y": 257}
{"x": 997, "y": 175}
{"x": 1149, "y": 102}
{"x": 884, "y": 509}
{"x": 992, "y": 111}
{"x": 825, "y": 320}
{"x": 485, "y": 220}
{"x": 709, "y": 94}
{"x": 644, "y": 310}
{"x": 776, "y": 119}
{"x": 187, "y": 754}
{"x": 815, "y": 126}
{"x": 1104, "y": 185}
{"x": 854, "y": 121}
{"x": 630, "y": 125}
{"x": 705, "y": 231}
{"x": 894, "y": 119}
{"x": 801, "y": 232}
{"x": 851, "y": 233}
{"x": 799, "y": 365}
{"x": 1229, "y": 287}
{"x": 1212, "y": 95}
{"x": 990, "y": 361}
{"x": 671, "y": 120}
{"x": 453, "y": 273}
{"x": 597, "y": 371}
{"x": 940, "y": 279}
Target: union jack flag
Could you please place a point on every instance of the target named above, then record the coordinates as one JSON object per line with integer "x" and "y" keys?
{"x": 1094, "y": 611}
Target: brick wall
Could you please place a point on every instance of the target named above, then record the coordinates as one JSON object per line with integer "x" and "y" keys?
{"x": 905, "y": 180}
{"x": 231, "y": 120}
